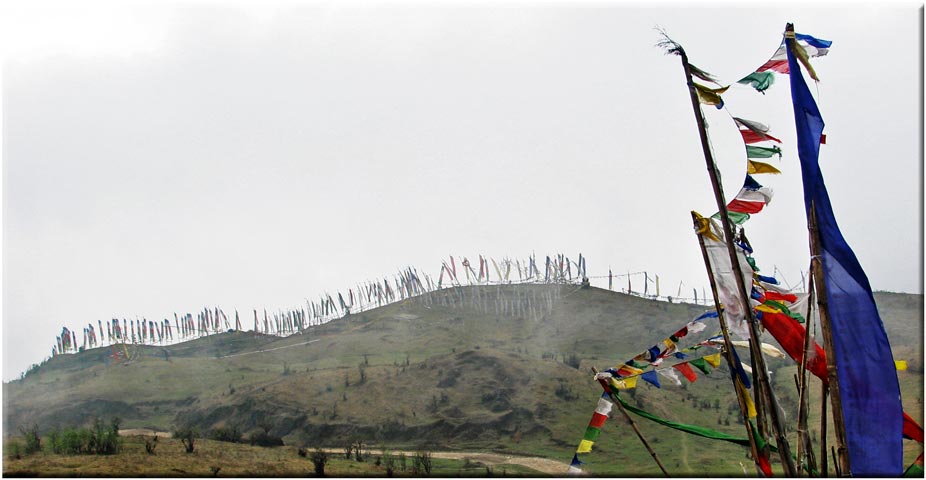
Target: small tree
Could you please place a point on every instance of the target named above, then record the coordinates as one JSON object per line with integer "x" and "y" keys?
{"x": 187, "y": 436}
{"x": 358, "y": 451}
{"x": 33, "y": 440}
{"x": 388, "y": 462}
{"x": 422, "y": 463}
{"x": 150, "y": 445}
{"x": 319, "y": 460}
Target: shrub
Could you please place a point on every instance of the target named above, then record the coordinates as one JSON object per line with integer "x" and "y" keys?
{"x": 99, "y": 439}
{"x": 32, "y": 438}
{"x": 319, "y": 460}
{"x": 421, "y": 463}
{"x": 572, "y": 360}
{"x": 265, "y": 439}
{"x": 104, "y": 440}
{"x": 14, "y": 450}
{"x": 226, "y": 434}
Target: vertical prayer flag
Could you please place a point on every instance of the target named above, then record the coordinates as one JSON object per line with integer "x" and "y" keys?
{"x": 860, "y": 342}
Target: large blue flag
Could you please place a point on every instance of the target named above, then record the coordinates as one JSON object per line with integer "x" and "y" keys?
{"x": 868, "y": 384}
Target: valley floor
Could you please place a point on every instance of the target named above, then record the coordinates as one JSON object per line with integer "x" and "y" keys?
{"x": 221, "y": 459}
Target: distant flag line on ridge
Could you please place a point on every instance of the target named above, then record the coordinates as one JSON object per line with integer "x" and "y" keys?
{"x": 407, "y": 283}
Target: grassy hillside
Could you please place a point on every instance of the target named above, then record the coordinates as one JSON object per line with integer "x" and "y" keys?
{"x": 474, "y": 368}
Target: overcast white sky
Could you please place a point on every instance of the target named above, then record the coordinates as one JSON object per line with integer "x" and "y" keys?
{"x": 159, "y": 158}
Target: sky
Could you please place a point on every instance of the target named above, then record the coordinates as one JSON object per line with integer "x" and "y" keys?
{"x": 162, "y": 158}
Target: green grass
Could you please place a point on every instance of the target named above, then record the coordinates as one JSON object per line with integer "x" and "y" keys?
{"x": 230, "y": 459}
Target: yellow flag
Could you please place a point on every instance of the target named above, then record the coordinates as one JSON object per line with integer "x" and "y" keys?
{"x": 750, "y": 407}
{"x": 710, "y": 96}
{"x": 624, "y": 383}
{"x": 766, "y": 308}
{"x": 900, "y": 364}
{"x": 755, "y": 168}
{"x": 714, "y": 359}
{"x": 585, "y": 446}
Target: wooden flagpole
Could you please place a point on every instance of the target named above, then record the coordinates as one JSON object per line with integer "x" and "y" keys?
{"x": 761, "y": 371}
{"x": 842, "y": 452}
{"x": 804, "y": 445}
{"x": 731, "y": 362}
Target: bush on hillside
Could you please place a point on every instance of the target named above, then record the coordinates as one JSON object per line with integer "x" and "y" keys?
{"x": 32, "y": 438}
{"x": 265, "y": 439}
{"x": 226, "y": 434}
{"x": 319, "y": 460}
{"x": 99, "y": 439}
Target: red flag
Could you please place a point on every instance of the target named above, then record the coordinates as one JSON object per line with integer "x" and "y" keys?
{"x": 686, "y": 371}
{"x": 787, "y": 297}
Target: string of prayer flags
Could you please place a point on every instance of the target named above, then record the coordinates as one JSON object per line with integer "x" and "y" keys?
{"x": 595, "y": 424}
{"x": 806, "y": 46}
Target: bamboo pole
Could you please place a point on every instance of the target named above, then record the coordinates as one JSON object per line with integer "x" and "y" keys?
{"x": 731, "y": 362}
{"x": 804, "y": 445}
{"x": 633, "y": 425}
{"x": 784, "y": 449}
{"x": 824, "y": 391}
{"x": 842, "y": 465}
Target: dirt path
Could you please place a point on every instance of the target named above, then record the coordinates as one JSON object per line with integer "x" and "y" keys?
{"x": 544, "y": 465}
{"x": 131, "y": 432}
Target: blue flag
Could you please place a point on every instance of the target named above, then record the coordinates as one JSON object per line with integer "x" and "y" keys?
{"x": 651, "y": 377}
{"x": 870, "y": 393}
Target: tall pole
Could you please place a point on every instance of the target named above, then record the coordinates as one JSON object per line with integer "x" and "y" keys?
{"x": 731, "y": 362}
{"x": 842, "y": 452}
{"x": 761, "y": 371}
{"x": 804, "y": 446}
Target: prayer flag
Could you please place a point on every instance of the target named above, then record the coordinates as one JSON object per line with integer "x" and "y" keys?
{"x": 754, "y": 132}
{"x": 652, "y": 378}
{"x": 757, "y": 168}
{"x": 753, "y": 151}
{"x": 713, "y": 360}
{"x": 574, "y": 468}
{"x": 710, "y": 96}
{"x": 624, "y": 383}
{"x": 701, "y": 365}
{"x": 758, "y": 80}
{"x": 670, "y": 374}
{"x": 860, "y": 342}
{"x": 585, "y": 446}
{"x": 686, "y": 370}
